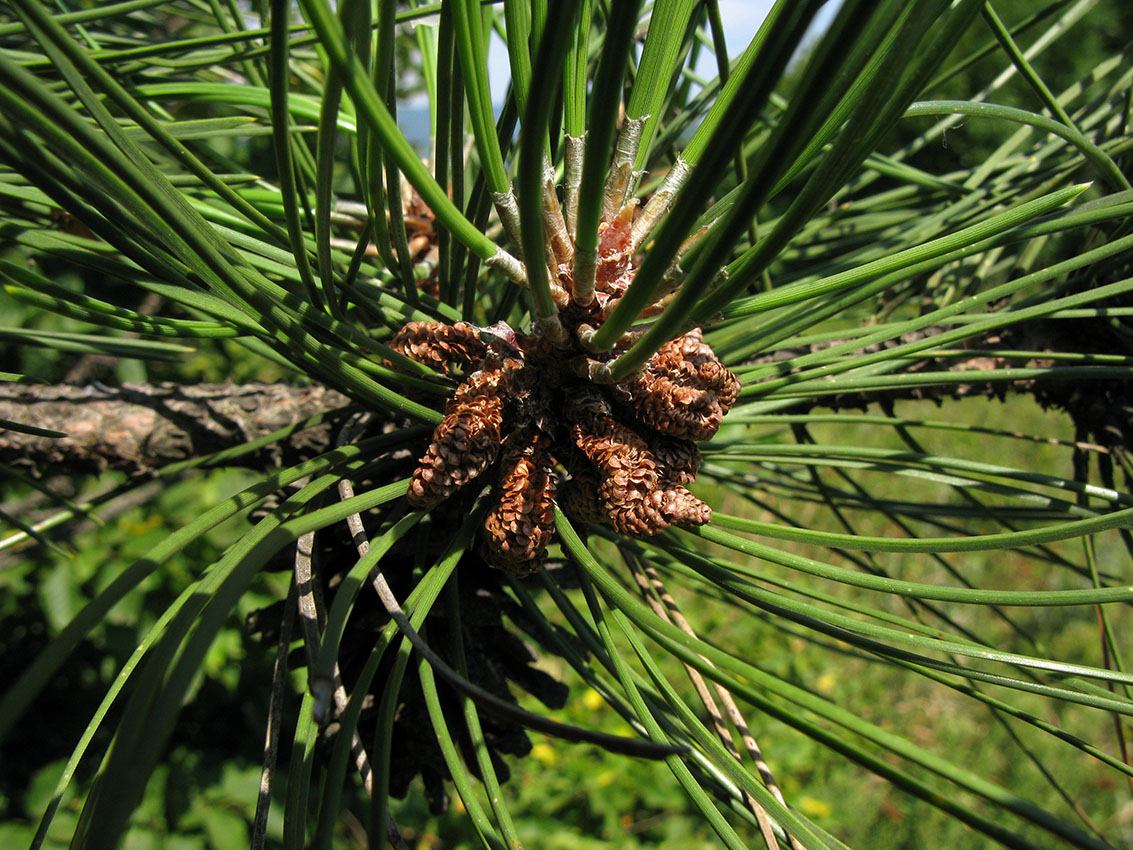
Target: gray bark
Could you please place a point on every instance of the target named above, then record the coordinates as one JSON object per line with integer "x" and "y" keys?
{"x": 140, "y": 427}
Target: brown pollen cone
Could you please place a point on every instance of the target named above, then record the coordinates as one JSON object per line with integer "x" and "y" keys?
{"x": 438, "y": 345}
{"x": 465, "y": 443}
{"x": 679, "y": 461}
{"x": 519, "y": 527}
{"x": 578, "y": 497}
{"x": 680, "y": 458}
{"x": 679, "y": 507}
{"x": 683, "y": 391}
{"x": 632, "y": 489}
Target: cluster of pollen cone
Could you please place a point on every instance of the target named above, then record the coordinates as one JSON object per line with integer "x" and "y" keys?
{"x": 527, "y": 414}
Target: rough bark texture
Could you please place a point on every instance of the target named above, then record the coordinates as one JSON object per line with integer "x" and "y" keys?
{"x": 139, "y": 427}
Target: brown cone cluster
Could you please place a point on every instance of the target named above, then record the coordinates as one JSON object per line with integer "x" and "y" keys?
{"x": 626, "y": 451}
{"x": 680, "y": 457}
{"x": 578, "y": 497}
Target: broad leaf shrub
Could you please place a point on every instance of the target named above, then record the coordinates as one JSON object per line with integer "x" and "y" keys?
{"x": 678, "y": 337}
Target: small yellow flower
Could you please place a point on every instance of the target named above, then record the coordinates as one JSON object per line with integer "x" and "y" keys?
{"x": 592, "y": 700}
{"x": 605, "y": 778}
{"x": 813, "y": 808}
{"x": 544, "y": 753}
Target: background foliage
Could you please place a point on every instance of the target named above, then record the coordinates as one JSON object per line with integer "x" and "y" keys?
{"x": 917, "y": 579}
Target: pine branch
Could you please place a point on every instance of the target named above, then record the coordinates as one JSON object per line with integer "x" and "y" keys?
{"x": 140, "y": 427}
{"x": 1102, "y": 410}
